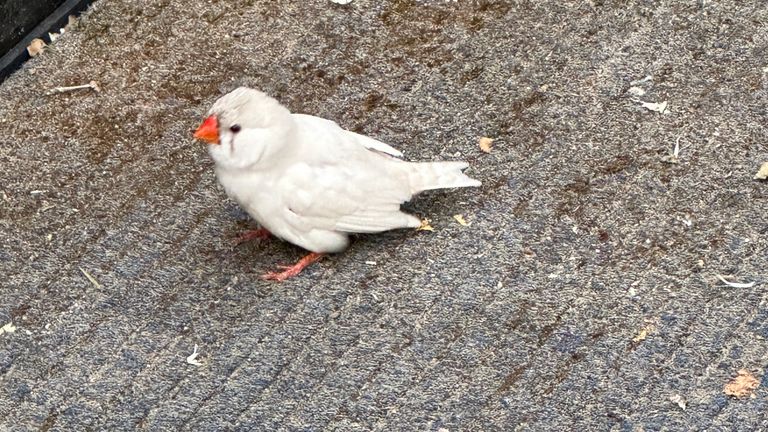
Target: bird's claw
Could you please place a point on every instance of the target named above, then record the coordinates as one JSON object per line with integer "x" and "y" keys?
{"x": 293, "y": 270}
{"x": 288, "y": 272}
{"x": 275, "y": 276}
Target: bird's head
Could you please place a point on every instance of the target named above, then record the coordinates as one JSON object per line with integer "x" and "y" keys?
{"x": 243, "y": 128}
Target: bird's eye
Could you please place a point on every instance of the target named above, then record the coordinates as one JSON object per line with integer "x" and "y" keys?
{"x": 235, "y": 128}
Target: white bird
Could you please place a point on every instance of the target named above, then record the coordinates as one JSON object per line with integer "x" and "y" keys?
{"x": 308, "y": 181}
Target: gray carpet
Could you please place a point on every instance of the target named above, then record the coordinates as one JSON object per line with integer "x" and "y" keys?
{"x": 583, "y": 294}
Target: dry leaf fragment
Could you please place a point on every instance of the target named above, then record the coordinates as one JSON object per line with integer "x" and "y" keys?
{"x": 679, "y": 400}
{"x": 762, "y": 174}
{"x": 644, "y": 332}
{"x": 90, "y": 278}
{"x": 653, "y": 106}
{"x": 192, "y": 359}
{"x": 485, "y": 144}
{"x": 636, "y": 91}
{"x": 93, "y": 85}
{"x": 460, "y": 219}
{"x": 735, "y": 284}
{"x": 425, "y": 226}
{"x": 641, "y": 81}
{"x": 670, "y": 159}
{"x": 35, "y": 47}
{"x": 8, "y": 328}
{"x": 742, "y": 386}
{"x": 71, "y": 20}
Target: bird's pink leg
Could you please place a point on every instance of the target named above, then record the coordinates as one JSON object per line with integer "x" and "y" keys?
{"x": 291, "y": 271}
{"x": 249, "y": 235}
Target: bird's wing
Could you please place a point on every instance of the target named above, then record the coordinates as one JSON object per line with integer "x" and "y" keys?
{"x": 347, "y": 197}
{"x": 367, "y": 142}
{"x": 345, "y": 182}
{"x": 372, "y": 144}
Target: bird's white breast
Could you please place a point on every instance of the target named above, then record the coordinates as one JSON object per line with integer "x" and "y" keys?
{"x": 254, "y": 192}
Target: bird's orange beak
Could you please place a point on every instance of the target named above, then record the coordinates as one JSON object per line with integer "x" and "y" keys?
{"x": 208, "y": 130}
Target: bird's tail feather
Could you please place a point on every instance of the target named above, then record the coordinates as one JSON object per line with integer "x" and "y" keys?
{"x": 439, "y": 175}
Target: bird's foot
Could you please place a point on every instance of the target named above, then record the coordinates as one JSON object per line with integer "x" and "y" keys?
{"x": 249, "y": 235}
{"x": 291, "y": 271}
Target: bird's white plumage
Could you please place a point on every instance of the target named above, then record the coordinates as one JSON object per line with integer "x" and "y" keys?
{"x": 363, "y": 140}
{"x": 310, "y": 182}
